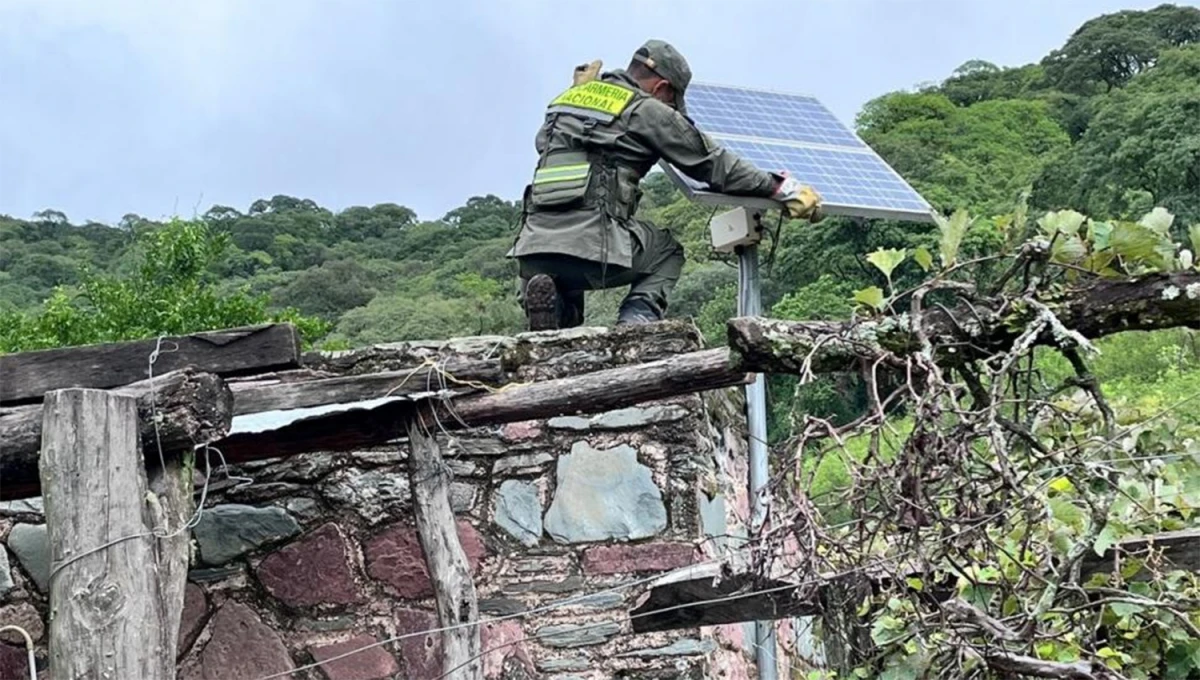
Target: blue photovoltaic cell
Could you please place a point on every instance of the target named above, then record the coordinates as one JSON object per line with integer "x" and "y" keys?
{"x": 755, "y": 113}
{"x": 798, "y": 134}
{"x": 841, "y": 177}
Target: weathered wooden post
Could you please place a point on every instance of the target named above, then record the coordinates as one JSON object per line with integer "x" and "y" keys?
{"x": 116, "y": 589}
{"x": 449, "y": 570}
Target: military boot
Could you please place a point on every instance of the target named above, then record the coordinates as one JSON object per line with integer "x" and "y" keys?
{"x": 636, "y": 311}
{"x": 542, "y": 305}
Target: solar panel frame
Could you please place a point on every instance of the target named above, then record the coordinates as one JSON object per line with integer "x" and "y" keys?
{"x": 800, "y": 137}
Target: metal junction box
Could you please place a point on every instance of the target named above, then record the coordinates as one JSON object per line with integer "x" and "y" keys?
{"x": 737, "y": 227}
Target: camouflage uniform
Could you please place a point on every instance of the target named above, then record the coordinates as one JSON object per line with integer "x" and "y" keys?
{"x": 598, "y": 140}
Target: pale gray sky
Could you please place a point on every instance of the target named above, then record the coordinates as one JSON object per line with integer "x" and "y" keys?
{"x": 154, "y": 106}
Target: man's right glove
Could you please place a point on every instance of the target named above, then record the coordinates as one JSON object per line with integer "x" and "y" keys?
{"x": 801, "y": 201}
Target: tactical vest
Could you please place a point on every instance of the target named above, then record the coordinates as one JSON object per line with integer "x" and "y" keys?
{"x": 578, "y": 168}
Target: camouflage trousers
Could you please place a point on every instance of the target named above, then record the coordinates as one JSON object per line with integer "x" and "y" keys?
{"x": 656, "y": 267}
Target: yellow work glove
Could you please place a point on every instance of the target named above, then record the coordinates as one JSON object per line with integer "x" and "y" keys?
{"x": 800, "y": 201}
{"x": 586, "y": 72}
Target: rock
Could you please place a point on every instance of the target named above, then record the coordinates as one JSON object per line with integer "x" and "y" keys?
{"x": 216, "y": 573}
{"x": 259, "y": 492}
{"x": 682, "y": 647}
{"x": 521, "y": 431}
{"x": 305, "y": 508}
{"x": 421, "y": 654}
{"x": 628, "y": 418}
{"x": 568, "y": 663}
{"x": 505, "y": 637}
{"x": 577, "y": 635}
{"x": 541, "y": 564}
{"x": 374, "y": 663}
{"x": 313, "y": 570}
{"x": 326, "y": 625}
{"x": 373, "y": 494}
{"x": 226, "y": 532}
{"x": 603, "y": 495}
{"x": 23, "y": 506}
{"x": 24, "y": 615}
{"x": 6, "y": 580}
{"x": 576, "y": 423}
{"x": 462, "y": 496}
{"x": 593, "y": 601}
{"x": 524, "y": 463}
{"x": 621, "y": 419}
{"x": 501, "y": 606}
{"x": 31, "y": 545}
{"x": 242, "y": 647}
{"x": 519, "y": 511}
{"x": 388, "y": 457}
{"x": 305, "y": 468}
{"x": 396, "y": 558}
{"x": 191, "y": 621}
{"x": 621, "y": 559}
{"x": 463, "y": 468}
{"x": 14, "y": 662}
{"x": 712, "y": 519}
{"x": 568, "y": 585}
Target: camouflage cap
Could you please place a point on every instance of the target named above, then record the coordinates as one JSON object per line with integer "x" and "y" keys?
{"x": 663, "y": 59}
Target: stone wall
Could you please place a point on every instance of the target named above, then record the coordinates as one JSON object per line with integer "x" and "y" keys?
{"x": 299, "y": 561}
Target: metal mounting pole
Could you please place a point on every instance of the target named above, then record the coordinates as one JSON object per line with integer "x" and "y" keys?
{"x": 750, "y": 304}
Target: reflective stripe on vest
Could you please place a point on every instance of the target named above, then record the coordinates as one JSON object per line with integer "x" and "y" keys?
{"x": 603, "y": 98}
{"x": 560, "y": 173}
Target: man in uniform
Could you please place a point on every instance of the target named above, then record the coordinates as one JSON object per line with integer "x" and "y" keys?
{"x": 599, "y": 138}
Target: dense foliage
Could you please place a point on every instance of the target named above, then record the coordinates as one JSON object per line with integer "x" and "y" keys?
{"x": 1107, "y": 125}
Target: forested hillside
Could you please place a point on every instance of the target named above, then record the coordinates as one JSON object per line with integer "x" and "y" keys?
{"x": 1108, "y": 124}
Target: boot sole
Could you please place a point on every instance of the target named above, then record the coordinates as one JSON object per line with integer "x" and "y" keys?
{"x": 541, "y": 303}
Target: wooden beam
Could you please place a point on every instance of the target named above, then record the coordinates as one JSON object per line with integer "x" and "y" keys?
{"x": 1094, "y": 309}
{"x": 445, "y": 559}
{"x": 108, "y": 618}
{"x": 190, "y": 409}
{"x": 288, "y": 392}
{"x": 26, "y": 376}
{"x": 589, "y": 393}
{"x": 1175, "y": 549}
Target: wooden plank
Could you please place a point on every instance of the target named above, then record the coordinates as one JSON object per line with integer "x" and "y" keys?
{"x": 108, "y": 619}
{"x": 192, "y": 409}
{"x": 1176, "y": 549}
{"x": 26, "y": 376}
{"x": 712, "y": 601}
{"x": 589, "y": 393}
{"x": 289, "y": 393}
{"x": 446, "y": 562}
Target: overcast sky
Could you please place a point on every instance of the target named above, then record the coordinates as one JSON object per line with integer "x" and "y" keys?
{"x": 160, "y": 106}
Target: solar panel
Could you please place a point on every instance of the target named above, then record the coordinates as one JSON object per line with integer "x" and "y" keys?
{"x": 777, "y": 131}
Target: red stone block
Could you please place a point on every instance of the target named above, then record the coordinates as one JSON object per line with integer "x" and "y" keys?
{"x": 195, "y": 606}
{"x": 14, "y": 661}
{"x": 504, "y": 637}
{"x": 622, "y": 559}
{"x": 242, "y": 647}
{"x": 521, "y": 431}
{"x": 396, "y": 558}
{"x": 374, "y": 663}
{"x": 313, "y": 570}
{"x": 422, "y": 654}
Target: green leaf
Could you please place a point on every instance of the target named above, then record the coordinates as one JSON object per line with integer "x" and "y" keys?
{"x": 952, "y": 231}
{"x": 924, "y": 258}
{"x": 1069, "y": 249}
{"x": 886, "y": 261}
{"x": 872, "y": 296}
{"x": 1062, "y": 485}
{"x": 1126, "y": 608}
{"x": 1105, "y": 539}
{"x": 887, "y": 629}
{"x": 1136, "y": 243}
{"x": 1158, "y": 220}
{"x": 1194, "y": 235}
{"x": 1099, "y": 234}
{"x": 915, "y": 583}
{"x": 1066, "y": 222}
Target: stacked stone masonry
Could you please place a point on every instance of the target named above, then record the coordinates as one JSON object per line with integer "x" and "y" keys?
{"x": 300, "y": 561}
